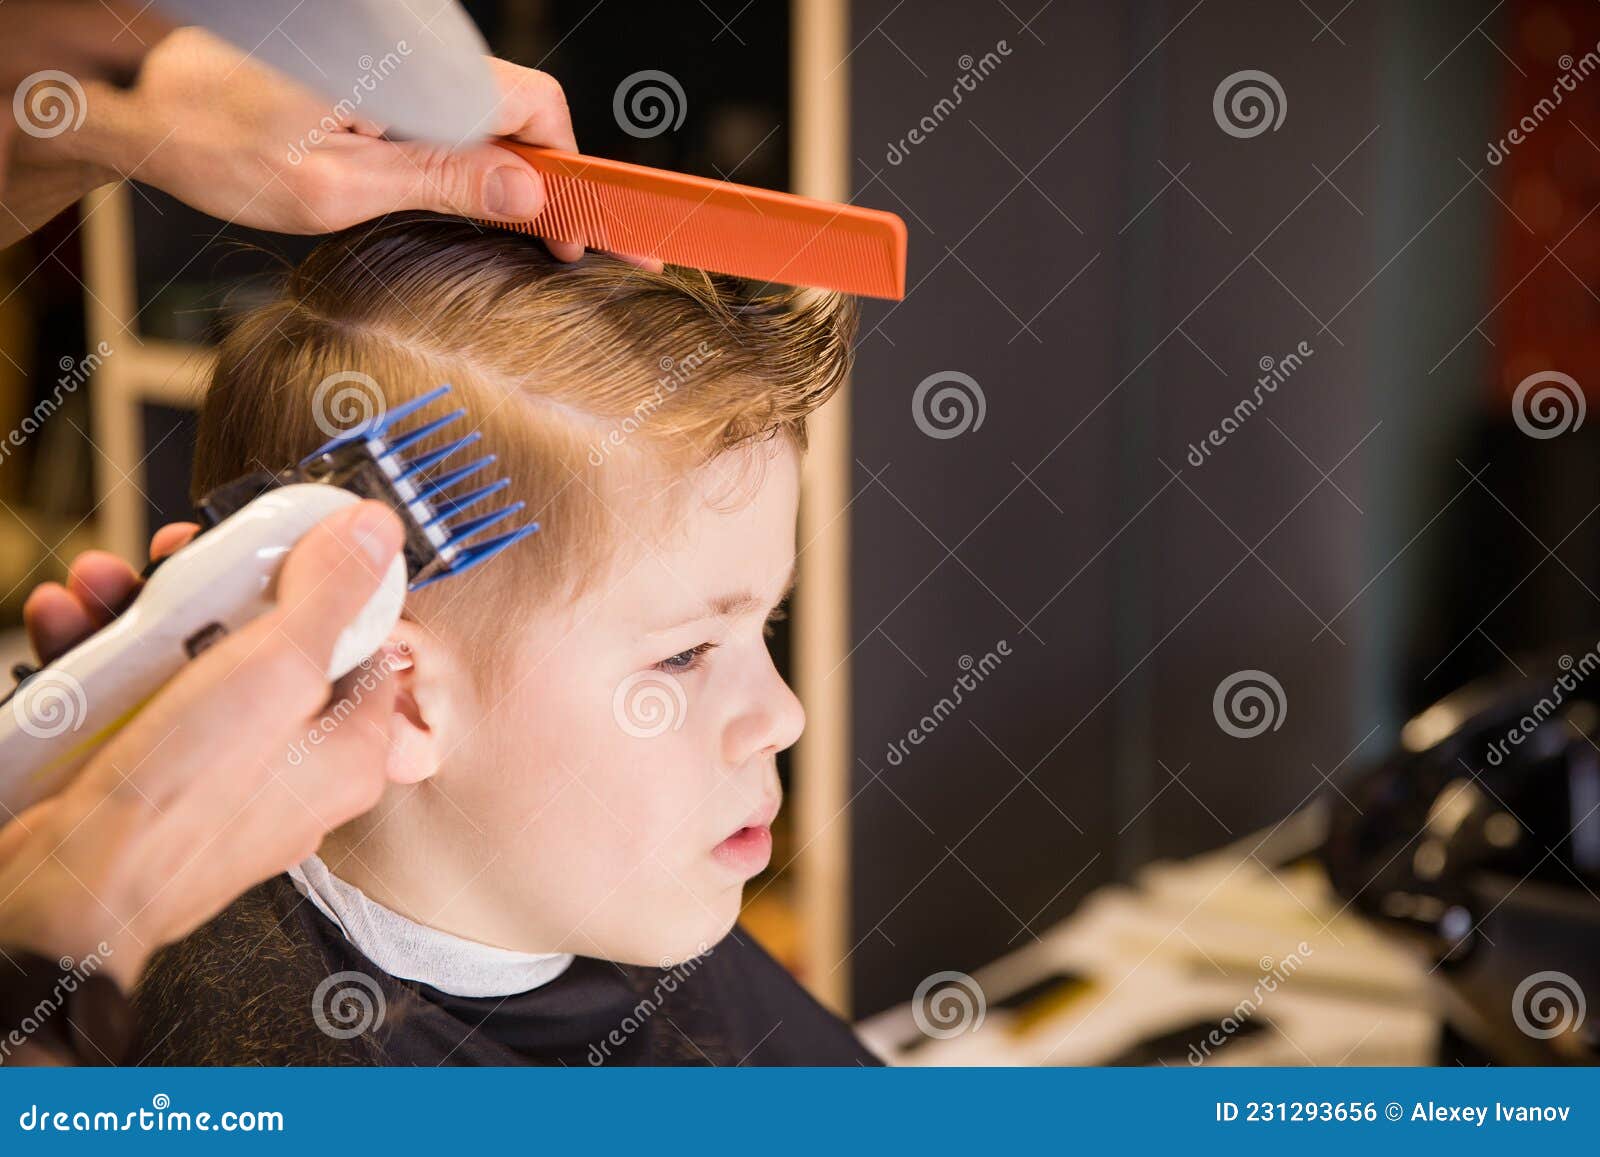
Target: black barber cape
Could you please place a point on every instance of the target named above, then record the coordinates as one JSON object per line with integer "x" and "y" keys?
{"x": 272, "y": 981}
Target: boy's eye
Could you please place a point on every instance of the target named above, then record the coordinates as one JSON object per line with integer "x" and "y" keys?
{"x": 684, "y": 660}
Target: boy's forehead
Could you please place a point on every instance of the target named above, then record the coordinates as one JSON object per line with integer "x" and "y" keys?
{"x": 734, "y": 533}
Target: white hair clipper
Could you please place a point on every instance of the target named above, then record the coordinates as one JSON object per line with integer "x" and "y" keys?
{"x": 60, "y": 714}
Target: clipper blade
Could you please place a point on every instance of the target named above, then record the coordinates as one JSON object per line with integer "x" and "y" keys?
{"x": 373, "y": 460}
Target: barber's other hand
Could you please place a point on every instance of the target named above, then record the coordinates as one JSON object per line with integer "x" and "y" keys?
{"x": 237, "y": 140}
{"x": 212, "y": 787}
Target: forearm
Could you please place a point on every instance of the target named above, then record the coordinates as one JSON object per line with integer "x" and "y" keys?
{"x": 47, "y": 172}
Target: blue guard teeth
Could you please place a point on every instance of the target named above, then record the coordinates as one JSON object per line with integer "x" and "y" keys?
{"x": 432, "y": 508}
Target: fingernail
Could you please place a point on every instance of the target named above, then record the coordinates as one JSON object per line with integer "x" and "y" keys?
{"x": 375, "y": 531}
{"x": 510, "y": 192}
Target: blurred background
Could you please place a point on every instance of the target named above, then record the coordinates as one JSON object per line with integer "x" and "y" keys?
{"x": 1233, "y": 423}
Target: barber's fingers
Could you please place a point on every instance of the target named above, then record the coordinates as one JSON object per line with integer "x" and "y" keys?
{"x": 102, "y": 583}
{"x": 59, "y": 616}
{"x": 171, "y": 537}
{"x": 472, "y": 179}
{"x": 55, "y": 620}
{"x": 330, "y": 576}
{"x": 485, "y": 181}
{"x": 98, "y": 586}
{"x": 242, "y": 699}
{"x": 532, "y": 108}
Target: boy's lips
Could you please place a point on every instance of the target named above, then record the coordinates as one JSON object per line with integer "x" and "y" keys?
{"x": 749, "y": 848}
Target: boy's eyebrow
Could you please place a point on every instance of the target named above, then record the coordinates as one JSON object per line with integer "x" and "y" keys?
{"x": 727, "y": 606}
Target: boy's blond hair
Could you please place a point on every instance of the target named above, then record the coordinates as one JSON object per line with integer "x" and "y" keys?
{"x": 582, "y": 378}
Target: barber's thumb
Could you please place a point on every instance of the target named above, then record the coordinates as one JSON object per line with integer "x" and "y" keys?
{"x": 333, "y": 571}
{"x": 480, "y": 181}
{"x": 512, "y": 192}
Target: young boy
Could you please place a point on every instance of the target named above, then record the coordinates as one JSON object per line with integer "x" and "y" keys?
{"x": 584, "y": 740}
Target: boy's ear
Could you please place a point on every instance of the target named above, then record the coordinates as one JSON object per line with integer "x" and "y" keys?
{"x": 424, "y": 712}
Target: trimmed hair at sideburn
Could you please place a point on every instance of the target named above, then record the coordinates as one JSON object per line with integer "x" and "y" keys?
{"x": 591, "y": 382}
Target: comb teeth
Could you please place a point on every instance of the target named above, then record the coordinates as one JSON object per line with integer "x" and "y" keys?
{"x": 435, "y": 549}
{"x": 716, "y": 225}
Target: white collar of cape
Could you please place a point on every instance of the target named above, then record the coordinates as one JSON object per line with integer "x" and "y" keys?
{"x": 411, "y": 951}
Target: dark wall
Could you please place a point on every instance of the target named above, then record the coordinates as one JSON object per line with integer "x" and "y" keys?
{"x": 1111, "y": 268}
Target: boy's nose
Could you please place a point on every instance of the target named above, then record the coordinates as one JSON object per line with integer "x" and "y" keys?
{"x": 772, "y": 722}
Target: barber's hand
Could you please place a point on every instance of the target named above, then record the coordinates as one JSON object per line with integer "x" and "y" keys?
{"x": 237, "y": 140}
{"x": 212, "y": 787}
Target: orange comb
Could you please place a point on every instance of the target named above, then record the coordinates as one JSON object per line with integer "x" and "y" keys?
{"x": 716, "y": 225}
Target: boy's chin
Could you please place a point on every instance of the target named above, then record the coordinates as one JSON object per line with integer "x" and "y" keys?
{"x": 667, "y": 944}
